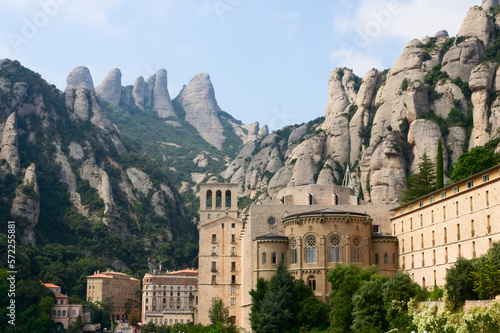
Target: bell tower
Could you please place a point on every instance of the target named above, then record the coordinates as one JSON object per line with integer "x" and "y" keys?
{"x": 218, "y": 200}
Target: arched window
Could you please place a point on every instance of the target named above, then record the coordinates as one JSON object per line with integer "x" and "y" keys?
{"x": 178, "y": 303}
{"x": 356, "y": 249}
{"x": 218, "y": 199}
{"x": 335, "y": 249}
{"x": 59, "y": 313}
{"x": 154, "y": 305}
{"x": 171, "y": 304}
{"x": 209, "y": 199}
{"x": 73, "y": 313}
{"x": 273, "y": 257}
{"x": 228, "y": 199}
{"x": 311, "y": 249}
{"x": 264, "y": 257}
{"x": 54, "y": 313}
{"x": 311, "y": 282}
{"x": 64, "y": 313}
{"x": 293, "y": 245}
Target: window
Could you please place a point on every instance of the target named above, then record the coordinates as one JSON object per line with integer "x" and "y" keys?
{"x": 472, "y": 231}
{"x": 233, "y": 301}
{"x": 432, "y": 216}
{"x": 214, "y": 238}
{"x": 470, "y": 184}
{"x": 376, "y": 258}
{"x": 443, "y": 195}
{"x": 73, "y": 313}
{"x": 271, "y": 221}
{"x": 386, "y": 258}
{"x": 411, "y": 223}
{"x": 218, "y": 216}
{"x": 264, "y": 257}
{"x": 486, "y": 178}
{"x": 420, "y": 203}
{"x": 209, "y": 216}
{"x": 445, "y": 236}
{"x": 59, "y": 313}
{"x": 435, "y": 277}
{"x": 54, "y": 313}
{"x": 444, "y": 212}
{"x": 423, "y": 259}
{"x": 233, "y": 251}
{"x": 403, "y": 245}
{"x": 273, "y": 258}
{"x": 456, "y": 189}
{"x": 421, "y": 220}
{"x": 233, "y": 279}
{"x": 214, "y": 266}
{"x": 471, "y": 204}
{"x": 356, "y": 252}
{"x": 433, "y": 239}
{"x": 293, "y": 253}
{"x": 214, "y": 279}
{"x": 64, "y": 313}
{"x": 412, "y": 261}
{"x": 394, "y": 229}
{"x": 233, "y": 225}
{"x": 376, "y": 229}
{"x": 488, "y": 224}
{"x": 335, "y": 249}
{"x": 459, "y": 250}
{"x": 233, "y": 289}
{"x": 473, "y": 249}
{"x": 214, "y": 250}
{"x": 445, "y": 255}
{"x": 410, "y": 208}
{"x": 401, "y": 211}
{"x": 456, "y": 208}
{"x": 311, "y": 282}
{"x": 487, "y": 198}
{"x": 411, "y": 244}
{"x": 458, "y": 231}
{"x": 434, "y": 257}
{"x": 403, "y": 263}
{"x": 421, "y": 241}
{"x": 233, "y": 238}
{"x": 233, "y": 266}
{"x": 311, "y": 249}
{"x": 431, "y": 199}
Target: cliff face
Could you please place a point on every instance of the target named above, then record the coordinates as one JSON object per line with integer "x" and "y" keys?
{"x": 66, "y": 163}
{"x": 382, "y": 124}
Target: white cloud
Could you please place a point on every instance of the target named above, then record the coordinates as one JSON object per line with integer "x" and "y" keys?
{"x": 360, "y": 63}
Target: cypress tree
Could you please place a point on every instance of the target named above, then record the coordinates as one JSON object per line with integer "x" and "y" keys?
{"x": 439, "y": 167}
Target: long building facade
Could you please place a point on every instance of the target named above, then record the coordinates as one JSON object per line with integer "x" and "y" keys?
{"x": 119, "y": 287}
{"x": 459, "y": 220}
{"x": 170, "y": 298}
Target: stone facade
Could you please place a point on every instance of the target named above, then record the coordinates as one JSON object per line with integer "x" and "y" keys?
{"x": 310, "y": 227}
{"x": 170, "y": 298}
{"x": 458, "y": 220}
{"x": 120, "y": 286}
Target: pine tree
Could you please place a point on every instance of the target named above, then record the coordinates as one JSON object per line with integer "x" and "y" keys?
{"x": 423, "y": 182}
{"x": 439, "y": 167}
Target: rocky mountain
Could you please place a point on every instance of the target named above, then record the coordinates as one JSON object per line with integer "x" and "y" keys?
{"x": 440, "y": 88}
{"x": 67, "y": 177}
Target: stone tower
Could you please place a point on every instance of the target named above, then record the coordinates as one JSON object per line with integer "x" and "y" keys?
{"x": 219, "y": 258}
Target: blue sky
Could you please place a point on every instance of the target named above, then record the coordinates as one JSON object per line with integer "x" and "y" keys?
{"x": 268, "y": 60}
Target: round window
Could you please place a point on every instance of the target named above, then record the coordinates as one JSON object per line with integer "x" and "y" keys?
{"x": 271, "y": 221}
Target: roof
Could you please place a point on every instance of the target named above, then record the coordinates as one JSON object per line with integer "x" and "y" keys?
{"x": 50, "y": 285}
{"x": 109, "y": 275}
{"x": 446, "y": 187}
{"x": 187, "y": 271}
{"x": 382, "y": 236}
{"x": 326, "y": 211}
{"x": 271, "y": 236}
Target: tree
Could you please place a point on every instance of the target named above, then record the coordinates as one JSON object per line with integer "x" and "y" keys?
{"x": 346, "y": 280}
{"x": 459, "y": 283}
{"x": 397, "y": 293}
{"x": 133, "y": 318}
{"x": 276, "y": 309}
{"x": 475, "y": 161}
{"x": 309, "y": 312}
{"x": 219, "y": 316}
{"x": 486, "y": 278}
{"x": 439, "y": 167}
{"x": 423, "y": 182}
{"x": 368, "y": 307}
{"x": 257, "y": 295}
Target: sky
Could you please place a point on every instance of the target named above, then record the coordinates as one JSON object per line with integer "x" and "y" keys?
{"x": 268, "y": 60}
